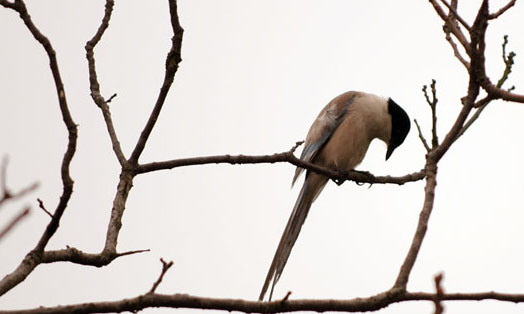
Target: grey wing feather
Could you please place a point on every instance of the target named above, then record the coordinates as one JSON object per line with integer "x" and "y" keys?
{"x": 323, "y": 127}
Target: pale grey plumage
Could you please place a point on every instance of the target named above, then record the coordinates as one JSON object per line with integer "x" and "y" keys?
{"x": 338, "y": 139}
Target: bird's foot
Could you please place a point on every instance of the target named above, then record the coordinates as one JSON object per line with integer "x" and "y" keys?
{"x": 367, "y": 175}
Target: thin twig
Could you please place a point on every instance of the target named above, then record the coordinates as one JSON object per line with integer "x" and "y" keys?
{"x": 132, "y": 252}
{"x": 453, "y": 27}
{"x": 94, "y": 85}
{"x": 41, "y": 205}
{"x": 508, "y": 60}
{"x": 433, "y": 105}
{"x": 74, "y": 255}
{"x": 173, "y": 59}
{"x": 15, "y": 221}
{"x": 111, "y": 98}
{"x": 286, "y": 297}
{"x": 6, "y": 193}
{"x": 165, "y": 268}
{"x": 422, "y": 138}
{"x": 453, "y": 11}
{"x": 452, "y": 20}
{"x": 502, "y": 10}
{"x": 294, "y": 148}
{"x": 439, "y": 293}
{"x": 3, "y": 179}
{"x": 455, "y": 48}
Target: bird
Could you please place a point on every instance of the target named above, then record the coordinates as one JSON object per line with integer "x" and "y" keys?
{"x": 338, "y": 139}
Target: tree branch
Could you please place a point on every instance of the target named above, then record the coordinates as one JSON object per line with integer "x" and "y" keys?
{"x": 14, "y": 222}
{"x": 452, "y": 27}
{"x": 502, "y": 10}
{"x": 483, "y": 103}
{"x": 439, "y": 292}
{"x": 95, "y": 86}
{"x": 416, "y": 244}
{"x": 173, "y": 59}
{"x": 42, "y": 207}
{"x": 129, "y": 169}
{"x": 433, "y": 105}
{"x": 177, "y": 301}
{"x": 288, "y": 157}
{"x": 31, "y": 259}
{"x": 6, "y": 192}
{"x": 165, "y": 268}
{"x": 76, "y": 256}
{"x": 421, "y": 137}
{"x": 453, "y": 11}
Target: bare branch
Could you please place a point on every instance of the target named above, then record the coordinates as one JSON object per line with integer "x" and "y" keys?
{"x": 165, "y": 268}
{"x": 429, "y": 191}
{"x": 477, "y": 47}
{"x": 67, "y": 182}
{"x": 357, "y": 176}
{"x": 502, "y": 10}
{"x": 14, "y": 222}
{"x": 95, "y": 86}
{"x": 452, "y": 27}
{"x": 286, "y": 297}
{"x": 176, "y": 301}
{"x": 433, "y": 105}
{"x": 111, "y": 98}
{"x": 173, "y": 59}
{"x": 509, "y": 60}
{"x": 41, "y": 205}
{"x": 455, "y": 48}
{"x": 129, "y": 167}
{"x": 475, "y": 116}
{"x": 499, "y": 93}
{"x": 74, "y": 255}
{"x": 6, "y": 192}
{"x": 30, "y": 262}
{"x": 422, "y": 138}
{"x": 439, "y": 308}
{"x": 3, "y": 179}
{"x": 482, "y": 103}
{"x": 452, "y": 20}
{"x": 455, "y": 16}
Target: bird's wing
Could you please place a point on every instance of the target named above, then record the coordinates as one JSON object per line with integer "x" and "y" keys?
{"x": 323, "y": 127}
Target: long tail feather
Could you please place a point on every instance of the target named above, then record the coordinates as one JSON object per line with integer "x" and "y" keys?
{"x": 313, "y": 185}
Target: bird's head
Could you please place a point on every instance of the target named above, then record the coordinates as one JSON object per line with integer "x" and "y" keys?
{"x": 400, "y": 126}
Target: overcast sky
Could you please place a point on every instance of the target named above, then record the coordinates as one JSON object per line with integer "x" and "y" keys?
{"x": 254, "y": 76}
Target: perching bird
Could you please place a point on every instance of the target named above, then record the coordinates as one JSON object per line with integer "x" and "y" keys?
{"x": 338, "y": 139}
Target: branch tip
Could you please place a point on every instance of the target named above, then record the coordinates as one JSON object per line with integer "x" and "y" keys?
{"x": 165, "y": 268}
{"x": 132, "y": 252}
{"x": 41, "y": 205}
{"x": 286, "y": 297}
{"x": 294, "y": 148}
{"x": 439, "y": 293}
{"x": 15, "y": 221}
{"x": 111, "y": 98}
{"x": 421, "y": 137}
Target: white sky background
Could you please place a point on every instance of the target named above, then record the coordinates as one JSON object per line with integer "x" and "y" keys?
{"x": 253, "y": 78}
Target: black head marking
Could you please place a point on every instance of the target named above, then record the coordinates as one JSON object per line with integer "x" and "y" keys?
{"x": 400, "y": 126}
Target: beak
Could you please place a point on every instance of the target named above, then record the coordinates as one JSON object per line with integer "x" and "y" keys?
{"x": 389, "y": 151}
